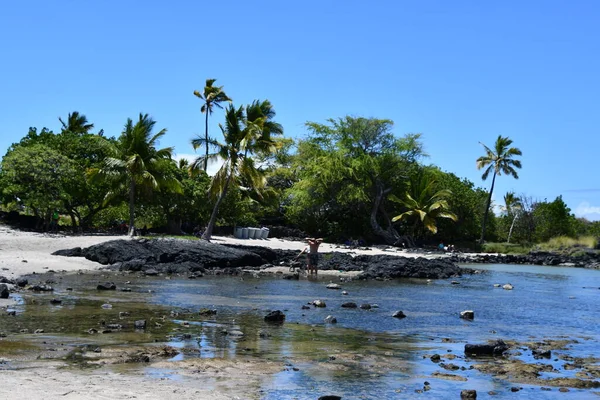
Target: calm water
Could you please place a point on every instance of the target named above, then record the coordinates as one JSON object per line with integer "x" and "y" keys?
{"x": 367, "y": 354}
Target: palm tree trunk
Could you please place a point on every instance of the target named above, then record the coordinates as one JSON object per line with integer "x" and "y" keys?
{"x": 512, "y": 225}
{"x": 487, "y": 208}
{"x": 213, "y": 217}
{"x": 131, "y": 207}
{"x": 206, "y": 140}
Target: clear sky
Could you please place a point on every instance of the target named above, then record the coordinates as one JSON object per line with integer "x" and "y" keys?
{"x": 460, "y": 73}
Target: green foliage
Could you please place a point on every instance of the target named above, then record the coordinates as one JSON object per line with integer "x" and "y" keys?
{"x": 467, "y": 203}
{"x": 135, "y": 165}
{"x": 552, "y": 219}
{"x": 505, "y": 248}
{"x": 423, "y": 204}
{"x": 567, "y": 244}
{"x": 346, "y": 170}
{"x": 36, "y": 177}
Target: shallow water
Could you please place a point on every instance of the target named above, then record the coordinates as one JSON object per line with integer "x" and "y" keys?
{"x": 367, "y": 354}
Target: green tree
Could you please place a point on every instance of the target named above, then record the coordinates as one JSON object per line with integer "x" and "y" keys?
{"x": 136, "y": 164}
{"x": 35, "y": 177}
{"x": 346, "y": 170}
{"x": 424, "y": 204}
{"x": 242, "y": 139}
{"x": 553, "y": 219}
{"x": 499, "y": 160}
{"x": 212, "y": 96}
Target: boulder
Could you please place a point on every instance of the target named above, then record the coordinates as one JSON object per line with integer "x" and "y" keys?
{"x": 21, "y": 282}
{"x": 349, "y": 304}
{"x": 3, "y": 291}
{"x": 275, "y": 316}
{"x": 106, "y": 286}
{"x": 508, "y": 286}
{"x": 319, "y": 303}
{"x": 333, "y": 286}
{"x": 467, "y": 314}
{"x": 330, "y": 397}
{"x": 207, "y": 311}
{"x": 492, "y": 349}
{"x": 56, "y": 301}
{"x": 330, "y": 319}
{"x": 151, "y": 272}
{"x": 365, "y": 306}
{"x": 468, "y": 394}
{"x": 399, "y": 314}
{"x": 140, "y": 324}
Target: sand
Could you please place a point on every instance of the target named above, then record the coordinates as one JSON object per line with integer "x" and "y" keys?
{"x": 27, "y": 252}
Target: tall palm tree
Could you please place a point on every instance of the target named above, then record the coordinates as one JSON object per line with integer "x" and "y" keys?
{"x": 212, "y": 96}
{"x": 135, "y": 162}
{"x": 76, "y": 123}
{"x": 499, "y": 160}
{"x": 512, "y": 206}
{"x": 242, "y": 138}
{"x": 424, "y": 204}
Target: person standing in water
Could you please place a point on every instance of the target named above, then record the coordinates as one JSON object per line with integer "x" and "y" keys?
{"x": 313, "y": 254}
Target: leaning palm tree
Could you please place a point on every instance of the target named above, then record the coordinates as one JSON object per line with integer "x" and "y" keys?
{"x": 76, "y": 123}
{"x": 513, "y": 207}
{"x": 212, "y": 96}
{"x": 424, "y": 205}
{"x": 135, "y": 163}
{"x": 499, "y": 160}
{"x": 240, "y": 143}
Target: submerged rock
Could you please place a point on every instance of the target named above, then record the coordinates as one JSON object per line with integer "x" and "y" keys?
{"x": 493, "y": 349}
{"x": 275, "y": 316}
{"x": 468, "y": 394}
{"x": 399, "y": 314}
{"x": 330, "y": 319}
{"x": 106, "y": 286}
{"x": 319, "y": 303}
{"x": 3, "y": 291}
{"x": 349, "y": 304}
{"x": 467, "y": 314}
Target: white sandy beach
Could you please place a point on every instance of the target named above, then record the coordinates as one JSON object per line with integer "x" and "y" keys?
{"x": 27, "y": 252}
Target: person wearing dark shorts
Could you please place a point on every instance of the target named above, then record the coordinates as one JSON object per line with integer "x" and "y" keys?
{"x": 313, "y": 254}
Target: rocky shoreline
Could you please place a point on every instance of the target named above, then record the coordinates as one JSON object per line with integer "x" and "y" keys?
{"x": 585, "y": 259}
{"x": 173, "y": 256}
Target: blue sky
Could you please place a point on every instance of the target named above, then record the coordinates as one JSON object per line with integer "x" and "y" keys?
{"x": 460, "y": 73}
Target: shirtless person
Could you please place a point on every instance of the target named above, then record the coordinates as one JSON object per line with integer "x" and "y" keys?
{"x": 313, "y": 254}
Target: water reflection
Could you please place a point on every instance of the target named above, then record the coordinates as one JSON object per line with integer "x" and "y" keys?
{"x": 367, "y": 351}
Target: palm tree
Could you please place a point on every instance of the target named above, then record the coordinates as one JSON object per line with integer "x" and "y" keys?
{"x": 424, "y": 204}
{"x": 76, "y": 123}
{"x": 242, "y": 138}
{"x": 512, "y": 206}
{"x": 212, "y": 96}
{"x": 500, "y": 160}
{"x": 136, "y": 163}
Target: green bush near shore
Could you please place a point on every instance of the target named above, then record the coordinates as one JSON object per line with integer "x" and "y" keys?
{"x": 568, "y": 244}
{"x": 505, "y": 248}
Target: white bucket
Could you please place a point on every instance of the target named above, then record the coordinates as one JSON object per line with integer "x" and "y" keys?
{"x": 264, "y": 232}
{"x": 237, "y": 232}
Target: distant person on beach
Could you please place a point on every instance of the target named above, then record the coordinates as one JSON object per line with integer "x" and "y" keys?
{"x": 313, "y": 254}
{"x": 54, "y": 222}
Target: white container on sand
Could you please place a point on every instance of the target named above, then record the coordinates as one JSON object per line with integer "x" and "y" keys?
{"x": 245, "y": 233}
{"x": 264, "y": 233}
